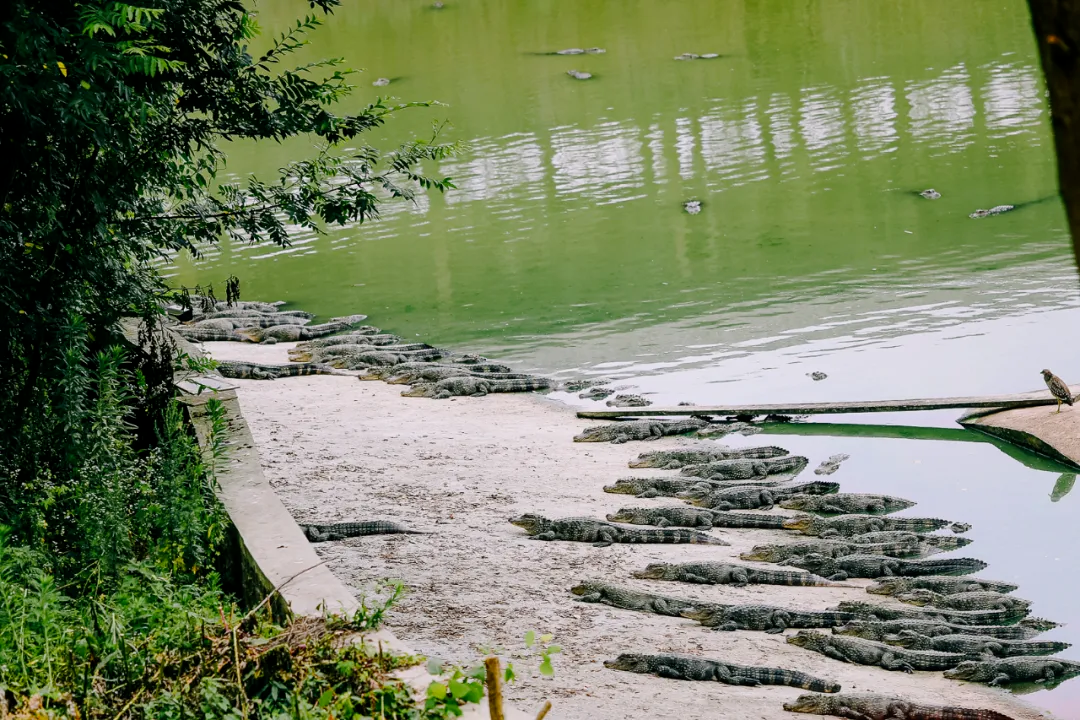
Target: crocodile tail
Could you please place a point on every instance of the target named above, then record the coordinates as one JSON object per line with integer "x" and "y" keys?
{"x": 1046, "y": 647}
{"x": 787, "y": 577}
{"x": 699, "y": 538}
{"x": 948, "y": 566}
{"x": 959, "y": 713}
{"x": 793, "y": 678}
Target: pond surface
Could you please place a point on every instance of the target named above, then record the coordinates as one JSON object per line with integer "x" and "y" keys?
{"x": 564, "y": 247}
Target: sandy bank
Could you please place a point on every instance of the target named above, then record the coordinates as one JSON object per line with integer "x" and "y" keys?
{"x": 338, "y": 449}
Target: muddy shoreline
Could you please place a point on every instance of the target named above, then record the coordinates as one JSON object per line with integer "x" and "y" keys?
{"x": 337, "y": 449}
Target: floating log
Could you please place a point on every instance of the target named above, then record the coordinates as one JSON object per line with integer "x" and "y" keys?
{"x": 998, "y": 402}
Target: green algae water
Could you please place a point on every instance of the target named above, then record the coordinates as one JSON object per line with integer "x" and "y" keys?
{"x": 565, "y": 248}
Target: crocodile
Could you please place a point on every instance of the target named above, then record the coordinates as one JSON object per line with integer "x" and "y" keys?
{"x": 255, "y": 371}
{"x": 263, "y": 321}
{"x": 305, "y": 351}
{"x": 288, "y": 333}
{"x": 845, "y": 503}
{"x": 221, "y": 325}
{"x": 243, "y": 313}
{"x": 871, "y": 706}
{"x": 868, "y": 652}
{"x": 881, "y": 630}
{"x": 746, "y": 468}
{"x": 349, "y": 350}
{"x": 199, "y": 334}
{"x": 930, "y": 543}
{"x": 749, "y": 498}
{"x": 638, "y": 430}
{"x": 722, "y": 573}
{"x": 359, "y": 359}
{"x": 689, "y": 667}
{"x": 767, "y": 618}
{"x": 356, "y": 335}
{"x": 255, "y": 305}
{"x": 389, "y": 371}
{"x": 848, "y": 525}
{"x": 783, "y": 552}
{"x": 677, "y": 458}
{"x": 875, "y": 566}
{"x": 996, "y": 210}
{"x": 978, "y": 600}
{"x": 682, "y": 516}
{"x": 945, "y": 585}
{"x": 602, "y": 534}
{"x": 831, "y": 464}
{"x": 870, "y": 611}
{"x": 435, "y": 374}
{"x": 596, "y": 393}
{"x": 626, "y": 599}
{"x": 974, "y": 644}
{"x": 475, "y": 386}
{"x": 1004, "y": 671}
{"x": 649, "y": 487}
{"x": 340, "y": 531}
{"x": 628, "y": 401}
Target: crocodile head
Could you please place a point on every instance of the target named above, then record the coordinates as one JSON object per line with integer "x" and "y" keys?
{"x": 656, "y": 571}
{"x": 650, "y": 460}
{"x": 858, "y": 628}
{"x": 796, "y": 502}
{"x": 297, "y": 355}
{"x": 374, "y": 373}
{"x": 623, "y": 486}
{"x": 907, "y": 639}
{"x": 635, "y": 516}
{"x": 970, "y": 670}
{"x": 810, "y": 703}
{"x": 917, "y": 596}
{"x": 587, "y": 588}
{"x": 530, "y": 523}
{"x": 251, "y": 334}
{"x": 701, "y": 614}
{"x": 419, "y": 390}
{"x": 809, "y": 639}
{"x": 802, "y": 523}
{"x": 630, "y": 662}
{"x": 598, "y": 433}
{"x": 885, "y": 586}
{"x": 762, "y": 553}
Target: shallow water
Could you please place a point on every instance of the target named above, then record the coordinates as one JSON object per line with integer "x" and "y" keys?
{"x": 565, "y": 248}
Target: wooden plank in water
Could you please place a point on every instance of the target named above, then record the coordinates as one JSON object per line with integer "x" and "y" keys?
{"x": 1021, "y": 400}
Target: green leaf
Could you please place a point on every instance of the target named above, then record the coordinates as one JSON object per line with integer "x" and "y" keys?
{"x": 436, "y": 690}
{"x": 545, "y": 667}
{"x": 434, "y": 666}
{"x": 458, "y": 688}
{"x": 552, "y": 649}
{"x": 476, "y": 692}
{"x": 508, "y": 675}
{"x": 326, "y": 698}
{"x": 530, "y": 639}
{"x": 478, "y": 671}
{"x": 546, "y": 637}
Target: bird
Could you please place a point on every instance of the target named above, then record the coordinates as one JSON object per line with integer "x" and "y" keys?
{"x": 1058, "y": 389}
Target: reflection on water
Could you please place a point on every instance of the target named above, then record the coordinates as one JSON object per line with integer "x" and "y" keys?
{"x": 564, "y": 248}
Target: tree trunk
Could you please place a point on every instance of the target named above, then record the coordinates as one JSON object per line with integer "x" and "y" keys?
{"x": 1057, "y": 30}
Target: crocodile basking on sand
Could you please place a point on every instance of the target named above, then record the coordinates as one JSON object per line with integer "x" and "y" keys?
{"x": 289, "y": 333}
{"x": 871, "y": 706}
{"x": 390, "y": 371}
{"x": 702, "y": 518}
{"x": 870, "y": 611}
{"x": 1005, "y": 671}
{"x": 975, "y": 644}
{"x": 781, "y": 552}
{"x": 882, "y": 630}
{"x": 689, "y": 667}
{"x": 868, "y": 652}
{"x": 765, "y": 618}
{"x": 875, "y": 566}
{"x": 208, "y": 334}
{"x": 255, "y": 371}
{"x": 654, "y": 486}
{"x": 930, "y": 543}
{"x": 722, "y": 573}
{"x": 638, "y": 430}
{"x": 749, "y": 498}
{"x": 848, "y": 525}
{"x": 746, "y": 468}
{"x": 679, "y": 457}
{"x": 602, "y": 534}
{"x": 977, "y": 600}
{"x": 940, "y": 584}
{"x": 475, "y": 386}
{"x": 435, "y": 374}
{"x": 360, "y": 359}
{"x": 340, "y": 531}
{"x": 847, "y": 503}
{"x": 626, "y": 599}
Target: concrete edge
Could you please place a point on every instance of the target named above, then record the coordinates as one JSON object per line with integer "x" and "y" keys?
{"x": 270, "y": 554}
{"x": 983, "y": 423}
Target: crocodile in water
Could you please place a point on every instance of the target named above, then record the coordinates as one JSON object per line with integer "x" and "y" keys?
{"x": 974, "y": 644}
{"x": 881, "y": 630}
{"x": 340, "y": 531}
{"x": 679, "y": 457}
{"x": 871, "y": 706}
{"x": 628, "y": 401}
{"x": 763, "y": 617}
{"x": 875, "y": 566}
{"x": 940, "y": 584}
{"x": 475, "y": 386}
{"x": 847, "y": 525}
{"x": 255, "y": 371}
{"x": 682, "y": 516}
{"x": 722, "y": 573}
{"x": 638, "y": 430}
{"x": 746, "y": 468}
{"x": 847, "y": 503}
{"x": 868, "y": 652}
{"x": 1005, "y": 671}
{"x": 936, "y": 543}
{"x": 602, "y": 534}
{"x": 749, "y": 498}
{"x": 689, "y": 667}
{"x": 977, "y": 600}
{"x": 870, "y": 611}
{"x": 626, "y": 599}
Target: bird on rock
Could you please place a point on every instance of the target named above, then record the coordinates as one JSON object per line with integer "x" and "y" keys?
{"x": 1058, "y": 389}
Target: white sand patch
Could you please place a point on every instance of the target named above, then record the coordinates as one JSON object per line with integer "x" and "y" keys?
{"x": 339, "y": 449}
